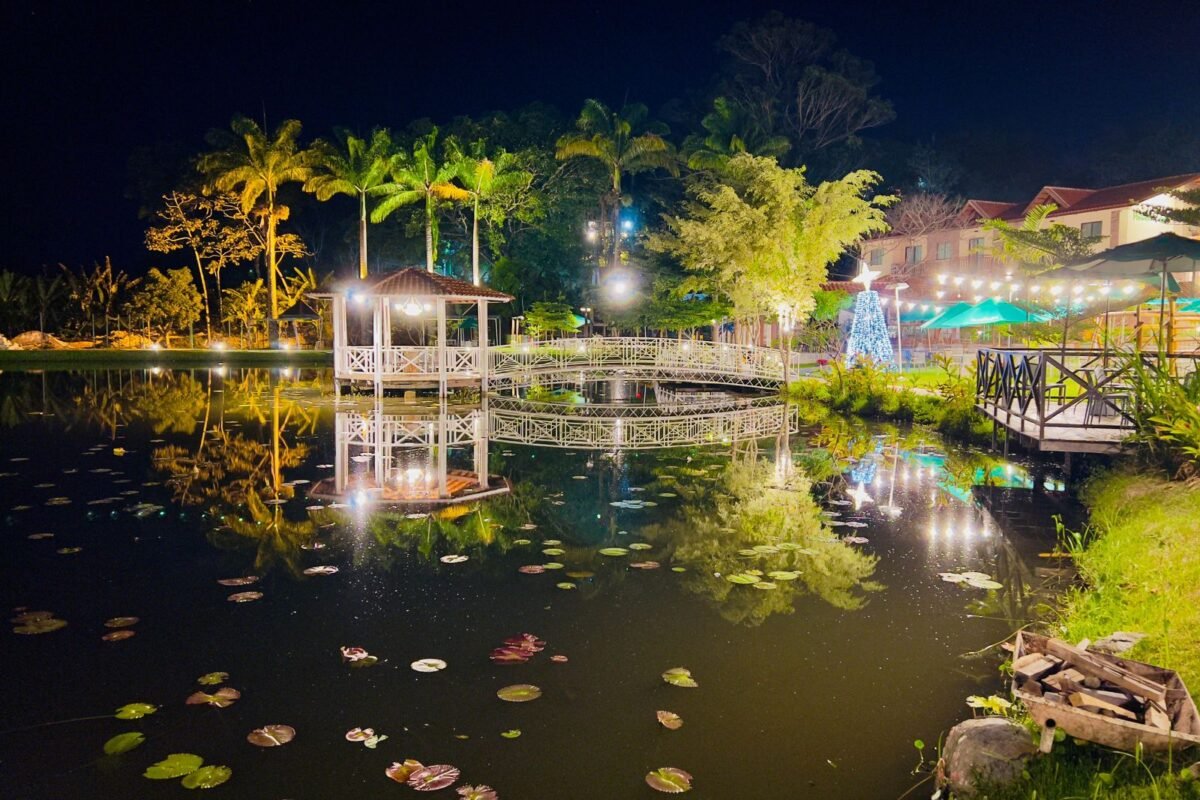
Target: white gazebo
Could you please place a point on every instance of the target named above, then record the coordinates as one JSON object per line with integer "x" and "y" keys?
{"x": 396, "y": 303}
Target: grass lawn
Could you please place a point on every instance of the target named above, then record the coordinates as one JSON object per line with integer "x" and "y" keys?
{"x": 19, "y": 360}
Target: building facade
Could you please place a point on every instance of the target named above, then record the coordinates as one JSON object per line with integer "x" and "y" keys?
{"x": 956, "y": 258}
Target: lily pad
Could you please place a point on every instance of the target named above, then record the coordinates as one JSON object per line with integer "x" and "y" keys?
{"x": 453, "y": 559}
{"x": 553, "y": 551}
{"x": 952, "y": 577}
{"x": 428, "y": 665}
{"x": 669, "y": 720}
{"x": 372, "y": 741}
{"x": 984, "y": 584}
{"x": 212, "y": 678}
{"x": 520, "y": 542}
{"x": 244, "y": 597}
{"x": 641, "y": 546}
{"x": 400, "y": 772}
{"x": 743, "y": 578}
{"x": 135, "y": 710}
{"x": 613, "y": 551}
{"x": 559, "y": 659}
{"x": 552, "y": 542}
{"x": 207, "y": 777}
{"x": 271, "y": 735}
{"x": 244, "y": 581}
{"x": 519, "y": 693}
{"x": 783, "y": 575}
{"x": 477, "y": 793}
{"x": 123, "y": 742}
{"x": 766, "y": 586}
{"x": 580, "y": 574}
{"x": 324, "y": 569}
{"x": 670, "y": 780}
{"x": 511, "y": 734}
{"x": 222, "y": 698}
{"x": 565, "y": 585}
{"x": 681, "y": 677}
{"x": 359, "y": 734}
{"x": 120, "y": 622}
{"x": 175, "y": 765}
{"x": 117, "y": 636}
{"x": 531, "y": 569}
{"x": 40, "y": 625}
{"x": 433, "y": 777}
{"x": 552, "y": 565}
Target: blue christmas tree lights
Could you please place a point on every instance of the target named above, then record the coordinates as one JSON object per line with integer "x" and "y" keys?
{"x": 869, "y": 338}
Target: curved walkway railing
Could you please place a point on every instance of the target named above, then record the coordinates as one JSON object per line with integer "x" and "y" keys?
{"x": 678, "y": 359}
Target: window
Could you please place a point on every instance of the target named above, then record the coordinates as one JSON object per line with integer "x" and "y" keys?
{"x": 975, "y": 245}
{"x": 876, "y": 256}
{"x": 914, "y": 254}
{"x": 1091, "y": 230}
{"x": 945, "y": 250}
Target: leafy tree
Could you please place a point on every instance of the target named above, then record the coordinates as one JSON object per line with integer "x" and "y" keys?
{"x": 625, "y": 142}
{"x": 420, "y": 178}
{"x": 245, "y": 306}
{"x": 353, "y": 167}
{"x": 1187, "y": 213}
{"x": 728, "y": 130}
{"x": 47, "y": 292}
{"x": 794, "y": 80}
{"x": 16, "y": 302}
{"x": 255, "y": 166}
{"x": 166, "y": 301}
{"x": 920, "y": 214}
{"x": 97, "y": 293}
{"x": 547, "y": 317}
{"x": 204, "y": 226}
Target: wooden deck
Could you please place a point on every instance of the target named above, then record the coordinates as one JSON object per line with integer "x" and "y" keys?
{"x": 1064, "y": 433}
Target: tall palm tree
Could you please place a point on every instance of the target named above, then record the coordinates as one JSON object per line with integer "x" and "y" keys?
{"x": 625, "y": 142}
{"x": 420, "y": 178}
{"x": 729, "y": 130}
{"x": 354, "y": 168}
{"x": 48, "y": 291}
{"x": 485, "y": 179}
{"x": 255, "y": 165}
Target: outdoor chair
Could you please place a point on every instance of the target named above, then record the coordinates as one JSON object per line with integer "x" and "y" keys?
{"x": 1109, "y": 401}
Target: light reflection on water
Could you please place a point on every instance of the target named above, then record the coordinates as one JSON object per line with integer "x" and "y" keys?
{"x": 243, "y": 472}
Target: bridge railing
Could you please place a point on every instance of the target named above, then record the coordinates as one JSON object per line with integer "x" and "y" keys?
{"x": 688, "y": 356}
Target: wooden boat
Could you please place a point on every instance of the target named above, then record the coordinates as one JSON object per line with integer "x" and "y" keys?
{"x": 1157, "y": 712}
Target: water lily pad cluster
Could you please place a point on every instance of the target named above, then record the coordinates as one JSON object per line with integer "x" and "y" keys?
{"x": 358, "y": 657}
{"x": 221, "y": 698}
{"x": 517, "y": 649}
{"x": 35, "y": 622}
{"x": 367, "y": 736}
{"x": 976, "y": 580}
{"x": 189, "y": 767}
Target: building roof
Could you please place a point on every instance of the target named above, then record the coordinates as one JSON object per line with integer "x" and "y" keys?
{"x": 415, "y": 282}
{"x": 299, "y": 310}
{"x": 1127, "y": 193}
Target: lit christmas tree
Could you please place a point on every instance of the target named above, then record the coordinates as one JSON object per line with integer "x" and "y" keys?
{"x": 868, "y": 333}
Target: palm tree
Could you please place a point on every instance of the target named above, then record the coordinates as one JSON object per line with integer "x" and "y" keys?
{"x": 729, "y": 130}
{"x": 354, "y": 169}
{"x": 255, "y": 165}
{"x": 609, "y": 137}
{"x": 15, "y": 301}
{"x": 485, "y": 179}
{"x": 48, "y": 291}
{"x": 420, "y": 178}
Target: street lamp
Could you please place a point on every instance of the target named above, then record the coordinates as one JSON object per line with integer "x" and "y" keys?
{"x": 899, "y": 349}
{"x": 587, "y": 316}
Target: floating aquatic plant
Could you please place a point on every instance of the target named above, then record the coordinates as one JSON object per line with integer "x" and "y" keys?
{"x": 434, "y": 777}
{"x": 244, "y": 597}
{"x": 123, "y": 743}
{"x": 477, "y": 793}
{"x": 176, "y": 765}
{"x": 671, "y": 780}
{"x": 400, "y": 772}
{"x": 221, "y": 698}
{"x": 134, "y": 710}
{"x": 669, "y": 720}
{"x": 212, "y": 678}
{"x": 519, "y": 693}
{"x": 271, "y": 735}
{"x": 680, "y": 676}
{"x": 428, "y": 665}
{"x": 207, "y": 777}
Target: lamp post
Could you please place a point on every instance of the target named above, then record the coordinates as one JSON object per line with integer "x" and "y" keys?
{"x": 587, "y": 316}
{"x": 899, "y": 349}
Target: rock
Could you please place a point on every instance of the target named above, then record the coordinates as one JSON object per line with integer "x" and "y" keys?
{"x": 991, "y": 750}
{"x": 1117, "y": 642}
{"x": 6, "y": 344}
{"x": 36, "y": 340}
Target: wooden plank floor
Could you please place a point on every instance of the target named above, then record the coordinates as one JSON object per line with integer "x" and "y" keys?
{"x": 1065, "y": 433}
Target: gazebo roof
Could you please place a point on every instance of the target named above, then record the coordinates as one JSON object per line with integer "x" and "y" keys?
{"x": 417, "y": 283}
{"x": 299, "y": 311}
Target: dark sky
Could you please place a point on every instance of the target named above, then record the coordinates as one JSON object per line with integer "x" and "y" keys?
{"x": 84, "y": 83}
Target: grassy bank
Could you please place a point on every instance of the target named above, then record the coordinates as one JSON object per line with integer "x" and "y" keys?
{"x": 26, "y": 360}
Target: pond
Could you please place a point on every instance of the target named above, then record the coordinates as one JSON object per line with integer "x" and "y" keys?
{"x": 796, "y": 579}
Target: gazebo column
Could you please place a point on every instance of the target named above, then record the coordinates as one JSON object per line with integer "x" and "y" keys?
{"x": 341, "y": 452}
{"x": 339, "y": 340}
{"x": 442, "y": 465}
{"x": 483, "y": 347}
{"x": 382, "y": 453}
{"x": 377, "y": 342}
{"x": 441, "y": 347}
{"x": 481, "y": 449}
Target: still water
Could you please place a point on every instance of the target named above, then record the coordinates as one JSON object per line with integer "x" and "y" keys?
{"x": 835, "y": 646}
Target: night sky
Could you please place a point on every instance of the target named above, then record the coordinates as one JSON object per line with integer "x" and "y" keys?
{"x": 86, "y": 83}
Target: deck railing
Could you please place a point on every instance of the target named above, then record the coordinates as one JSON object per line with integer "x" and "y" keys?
{"x": 406, "y": 360}
{"x": 1030, "y": 389}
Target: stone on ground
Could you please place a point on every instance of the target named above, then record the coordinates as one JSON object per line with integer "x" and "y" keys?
{"x": 1117, "y": 642}
{"x": 989, "y": 750}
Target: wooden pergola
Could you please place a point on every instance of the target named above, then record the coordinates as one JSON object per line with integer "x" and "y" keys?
{"x": 409, "y": 295}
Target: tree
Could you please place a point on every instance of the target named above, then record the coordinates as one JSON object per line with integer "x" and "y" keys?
{"x": 421, "y": 178}
{"x": 97, "y": 292}
{"x": 790, "y": 76}
{"x": 255, "y": 165}
{"x": 1186, "y": 213}
{"x": 728, "y": 130}
{"x": 625, "y": 142}
{"x": 546, "y": 317}
{"x": 16, "y": 302}
{"x": 354, "y": 168}
{"x": 203, "y": 226}
{"x": 1036, "y": 248}
{"x": 495, "y": 186}
{"x": 48, "y": 292}
{"x": 764, "y": 237}
{"x": 166, "y": 301}
{"x": 246, "y": 306}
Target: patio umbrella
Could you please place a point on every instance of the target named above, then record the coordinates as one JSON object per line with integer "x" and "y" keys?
{"x": 945, "y": 319}
{"x": 997, "y": 312}
{"x": 1160, "y": 255}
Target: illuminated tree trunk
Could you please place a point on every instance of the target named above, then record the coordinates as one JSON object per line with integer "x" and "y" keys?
{"x": 429, "y": 232}
{"x": 475, "y": 242}
{"x": 362, "y": 235}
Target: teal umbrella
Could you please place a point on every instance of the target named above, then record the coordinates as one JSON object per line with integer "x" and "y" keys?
{"x": 993, "y": 311}
{"x": 945, "y": 320}
{"x": 920, "y": 312}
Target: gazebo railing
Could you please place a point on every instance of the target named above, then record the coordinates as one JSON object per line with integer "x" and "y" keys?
{"x": 407, "y": 360}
